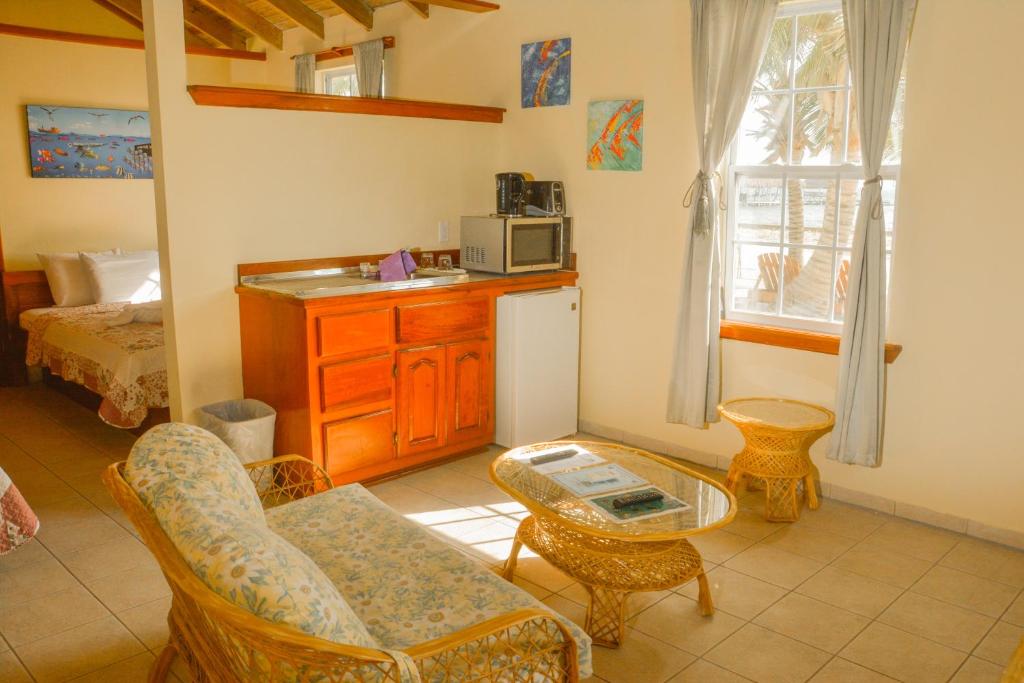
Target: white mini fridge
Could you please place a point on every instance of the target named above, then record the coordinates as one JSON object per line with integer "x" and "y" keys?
{"x": 537, "y": 360}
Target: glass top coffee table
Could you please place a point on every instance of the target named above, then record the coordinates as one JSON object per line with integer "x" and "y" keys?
{"x": 613, "y": 552}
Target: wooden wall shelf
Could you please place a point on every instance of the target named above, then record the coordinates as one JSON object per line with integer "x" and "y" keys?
{"x": 130, "y": 43}
{"x": 220, "y": 96}
{"x": 819, "y": 342}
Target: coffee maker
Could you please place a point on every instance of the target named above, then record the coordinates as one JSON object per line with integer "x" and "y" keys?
{"x": 510, "y": 193}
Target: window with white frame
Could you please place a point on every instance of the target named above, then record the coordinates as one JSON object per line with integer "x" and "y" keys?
{"x": 337, "y": 81}
{"x": 795, "y": 176}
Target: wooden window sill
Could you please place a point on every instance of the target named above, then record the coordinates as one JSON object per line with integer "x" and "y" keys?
{"x": 818, "y": 342}
{"x": 220, "y": 96}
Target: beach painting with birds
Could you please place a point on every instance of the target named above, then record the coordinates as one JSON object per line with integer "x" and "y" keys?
{"x": 546, "y": 73}
{"x": 615, "y": 135}
{"x": 88, "y": 142}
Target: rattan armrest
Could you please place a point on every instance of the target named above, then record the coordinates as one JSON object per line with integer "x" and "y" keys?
{"x": 286, "y": 478}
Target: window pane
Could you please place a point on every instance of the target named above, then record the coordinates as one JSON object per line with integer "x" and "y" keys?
{"x": 806, "y": 283}
{"x": 889, "y": 203}
{"x": 755, "y": 278}
{"x": 818, "y": 128}
{"x": 820, "y": 50}
{"x": 842, "y": 283}
{"x": 759, "y": 209}
{"x": 849, "y": 198}
{"x": 810, "y": 211}
{"x": 763, "y": 137}
{"x": 778, "y": 57}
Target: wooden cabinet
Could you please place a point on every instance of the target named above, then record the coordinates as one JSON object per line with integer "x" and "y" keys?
{"x": 422, "y": 404}
{"x": 366, "y": 385}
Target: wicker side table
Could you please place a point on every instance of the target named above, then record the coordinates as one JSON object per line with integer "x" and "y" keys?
{"x": 778, "y": 434}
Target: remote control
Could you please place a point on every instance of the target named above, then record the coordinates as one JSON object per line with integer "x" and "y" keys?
{"x": 552, "y": 457}
{"x": 636, "y": 499}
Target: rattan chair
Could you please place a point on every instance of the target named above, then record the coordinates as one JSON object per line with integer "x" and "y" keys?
{"x": 220, "y": 642}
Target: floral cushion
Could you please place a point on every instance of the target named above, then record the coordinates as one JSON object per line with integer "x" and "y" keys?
{"x": 205, "y": 503}
{"x": 406, "y": 586}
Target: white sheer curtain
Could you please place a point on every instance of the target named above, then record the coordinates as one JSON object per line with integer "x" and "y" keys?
{"x": 877, "y": 32}
{"x": 369, "y": 59}
{"x": 305, "y": 73}
{"x": 727, "y": 42}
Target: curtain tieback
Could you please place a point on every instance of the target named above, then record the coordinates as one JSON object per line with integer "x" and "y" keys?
{"x": 702, "y": 185}
{"x": 876, "y": 208}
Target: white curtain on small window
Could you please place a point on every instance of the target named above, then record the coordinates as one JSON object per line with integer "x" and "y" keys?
{"x": 877, "y": 32}
{"x": 369, "y": 58}
{"x": 727, "y": 41}
{"x": 305, "y": 73}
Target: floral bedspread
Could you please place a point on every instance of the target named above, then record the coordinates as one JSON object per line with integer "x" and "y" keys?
{"x": 125, "y": 364}
{"x": 17, "y": 521}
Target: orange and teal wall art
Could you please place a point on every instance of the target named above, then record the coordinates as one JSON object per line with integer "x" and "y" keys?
{"x": 615, "y": 135}
{"x": 546, "y": 73}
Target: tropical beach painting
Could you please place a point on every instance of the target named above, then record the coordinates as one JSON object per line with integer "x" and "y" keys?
{"x": 88, "y": 142}
{"x": 615, "y": 135}
{"x": 546, "y": 73}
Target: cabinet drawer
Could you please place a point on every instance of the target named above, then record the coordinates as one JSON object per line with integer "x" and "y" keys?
{"x": 347, "y": 333}
{"x": 437, "y": 321}
{"x": 359, "y": 442}
{"x": 356, "y": 382}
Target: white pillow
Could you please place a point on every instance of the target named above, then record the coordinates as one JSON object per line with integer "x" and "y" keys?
{"x": 133, "y": 276}
{"x": 69, "y": 283}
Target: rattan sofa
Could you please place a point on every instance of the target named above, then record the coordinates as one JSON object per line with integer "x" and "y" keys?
{"x": 247, "y": 553}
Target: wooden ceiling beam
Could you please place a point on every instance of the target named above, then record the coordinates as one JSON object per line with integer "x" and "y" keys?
{"x": 358, "y": 11}
{"x": 465, "y": 5}
{"x": 421, "y": 8}
{"x": 126, "y": 16}
{"x": 301, "y": 14}
{"x": 247, "y": 19}
{"x": 219, "y": 29}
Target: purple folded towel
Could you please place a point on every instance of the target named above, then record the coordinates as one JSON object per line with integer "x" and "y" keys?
{"x": 397, "y": 266}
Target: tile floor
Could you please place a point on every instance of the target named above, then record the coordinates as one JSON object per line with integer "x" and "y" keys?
{"x": 845, "y": 594}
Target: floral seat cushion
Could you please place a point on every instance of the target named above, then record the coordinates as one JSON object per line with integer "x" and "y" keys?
{"x": 203, "y": 499}
{"x": 406, "y": 586}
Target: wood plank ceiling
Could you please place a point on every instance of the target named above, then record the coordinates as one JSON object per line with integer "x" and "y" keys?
{"x": 232, "y": 23}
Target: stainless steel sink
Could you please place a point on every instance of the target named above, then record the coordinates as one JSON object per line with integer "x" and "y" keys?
{"x": 314, "y": 284}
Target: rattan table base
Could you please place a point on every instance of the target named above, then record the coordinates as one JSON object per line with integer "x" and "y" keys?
{"x": 611, "y": 570}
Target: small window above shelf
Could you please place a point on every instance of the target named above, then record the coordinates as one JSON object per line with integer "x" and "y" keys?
{"x": 221, "y": 96}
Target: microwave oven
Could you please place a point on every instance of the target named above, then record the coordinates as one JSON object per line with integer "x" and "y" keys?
{"x": 506, "y": 244}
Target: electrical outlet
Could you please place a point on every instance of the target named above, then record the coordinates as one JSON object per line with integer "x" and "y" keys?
{"x": 442, "y": 232}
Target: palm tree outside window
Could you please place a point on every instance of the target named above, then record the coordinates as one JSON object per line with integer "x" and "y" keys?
{"x": 795, "y": 176}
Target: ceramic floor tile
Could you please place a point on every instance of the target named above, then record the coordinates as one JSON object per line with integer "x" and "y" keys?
{"x": 79, "y": 651}
{"x": 956, "y": 627}
{"x": 132, "y": 670}
{"x": 408, "y": 500}
{"x": 66, "y": 539}
{"x": 702, "y": 671}
{"x": 738, "y": 594}
{"x": 533, "y": 589}
{"x": 636, "y": 603}
{"x": 976, "y": 670}
{"x": 752, "y": 525}
{"x": 148, "y": 622}
{"x": 27, "y": 553}
{"x": 573, "y": 611}
{"x": 902, "y": 655}
{"x": 966, "y": 590}
{"x": 34, "y": 581}
{"x": 719, "y": 546}
{"x": 1000, "y": 643}
{"x": 822, "y": 546}
{"x": 883, "y": 565}
{"x": 677, "y": 621}
{"x": 917, "y": 540}
{"x": 639, "y": 658}
{"x": 812, "y": 622}
{"x": 775, "y": 566}
{"x": 850, "y": 591}
{"x": 843, "y": 519}
{"x": 1015, "y": 614}
{"x": 842, "y": 671}
{"x": 767, "y": 657}
{"x": 11, "y": 670}
{"x": 41, "y": 617}
{"x": 537, "y": 570}
{"x": 987, "y": 560}
{"x": 74, "y": 510}
{"x": 130, "y": 588}
{"x": 105, "y": 559}
{"x": 478, "y": 465}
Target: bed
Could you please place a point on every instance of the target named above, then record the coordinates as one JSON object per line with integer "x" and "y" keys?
{"x": 124, "y": 365}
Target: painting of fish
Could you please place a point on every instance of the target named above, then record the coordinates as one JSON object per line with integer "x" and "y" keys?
{"x": 105, "y": 143}
{"x": 615, "y": 135}
{"x": 546, "y": 73}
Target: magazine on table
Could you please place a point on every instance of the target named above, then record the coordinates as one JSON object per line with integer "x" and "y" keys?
{"x": 597, "y": 479}
{"x": 655, "y": 508}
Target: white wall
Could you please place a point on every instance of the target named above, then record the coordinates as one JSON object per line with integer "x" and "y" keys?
{"x": 266, "y": 185}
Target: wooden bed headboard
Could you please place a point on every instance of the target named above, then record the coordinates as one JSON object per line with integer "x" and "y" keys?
{"x": 22, "y": 290}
